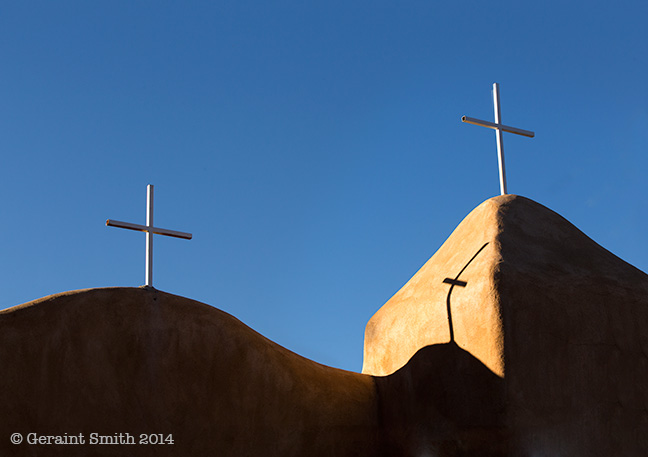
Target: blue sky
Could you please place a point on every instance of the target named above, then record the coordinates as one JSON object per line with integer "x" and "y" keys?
{"x": 314, "y": 149}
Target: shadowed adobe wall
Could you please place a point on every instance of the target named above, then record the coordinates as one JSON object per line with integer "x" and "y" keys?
{"x": 144, "y": 361}
{"x": 127, "y": 360}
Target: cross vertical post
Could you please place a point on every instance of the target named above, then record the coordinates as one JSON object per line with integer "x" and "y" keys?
{"x": 149, "y": 235}
{"x": 500, "y": 140}
{"x": 499, "y": 128}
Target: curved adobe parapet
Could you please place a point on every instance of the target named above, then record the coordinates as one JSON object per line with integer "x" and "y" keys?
{"x": 143, "y": 361}
{"x": 139, "y": 361}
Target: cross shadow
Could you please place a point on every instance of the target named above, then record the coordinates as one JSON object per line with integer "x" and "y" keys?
{"x": 456, "y": 282}
{"x": 444, "y": 401}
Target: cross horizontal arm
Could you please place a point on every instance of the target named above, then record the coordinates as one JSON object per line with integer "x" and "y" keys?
{"x": 144, "y": 228}
{"x": 492, "y": 125}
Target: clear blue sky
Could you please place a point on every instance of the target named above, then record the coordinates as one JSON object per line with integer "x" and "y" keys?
{"x": 314, "y": 149}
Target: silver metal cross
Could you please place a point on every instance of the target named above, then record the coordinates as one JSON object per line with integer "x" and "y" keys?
{"x": 150, "y": 230}
{"x": 499, "y": 128}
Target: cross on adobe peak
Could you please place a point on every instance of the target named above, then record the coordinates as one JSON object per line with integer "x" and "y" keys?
{"x": 150, "y": 230}
{"x": 499, "y": 128}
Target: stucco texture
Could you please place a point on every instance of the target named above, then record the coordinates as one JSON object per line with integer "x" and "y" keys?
{"x": 144, "y": 361}
{"x": 560, "y": 320}
{"x": 519, "y": 337}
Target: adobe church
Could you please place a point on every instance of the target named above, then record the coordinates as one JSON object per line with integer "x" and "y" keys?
{"x": 519, "y": 337}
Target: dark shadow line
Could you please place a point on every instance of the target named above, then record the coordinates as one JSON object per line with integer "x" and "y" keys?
{"x": 455, "y": 282}
{"x": 470, "y": 261}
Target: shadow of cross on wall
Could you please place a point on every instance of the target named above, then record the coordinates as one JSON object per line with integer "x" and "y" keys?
{"x": 457, "y": 282}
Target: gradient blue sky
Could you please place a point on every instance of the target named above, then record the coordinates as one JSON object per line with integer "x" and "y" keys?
{"x": 314, "y": 149}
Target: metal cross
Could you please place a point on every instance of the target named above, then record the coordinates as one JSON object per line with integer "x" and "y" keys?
{"x": 499, "y": 128}
{"x": 150, "y": 230}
